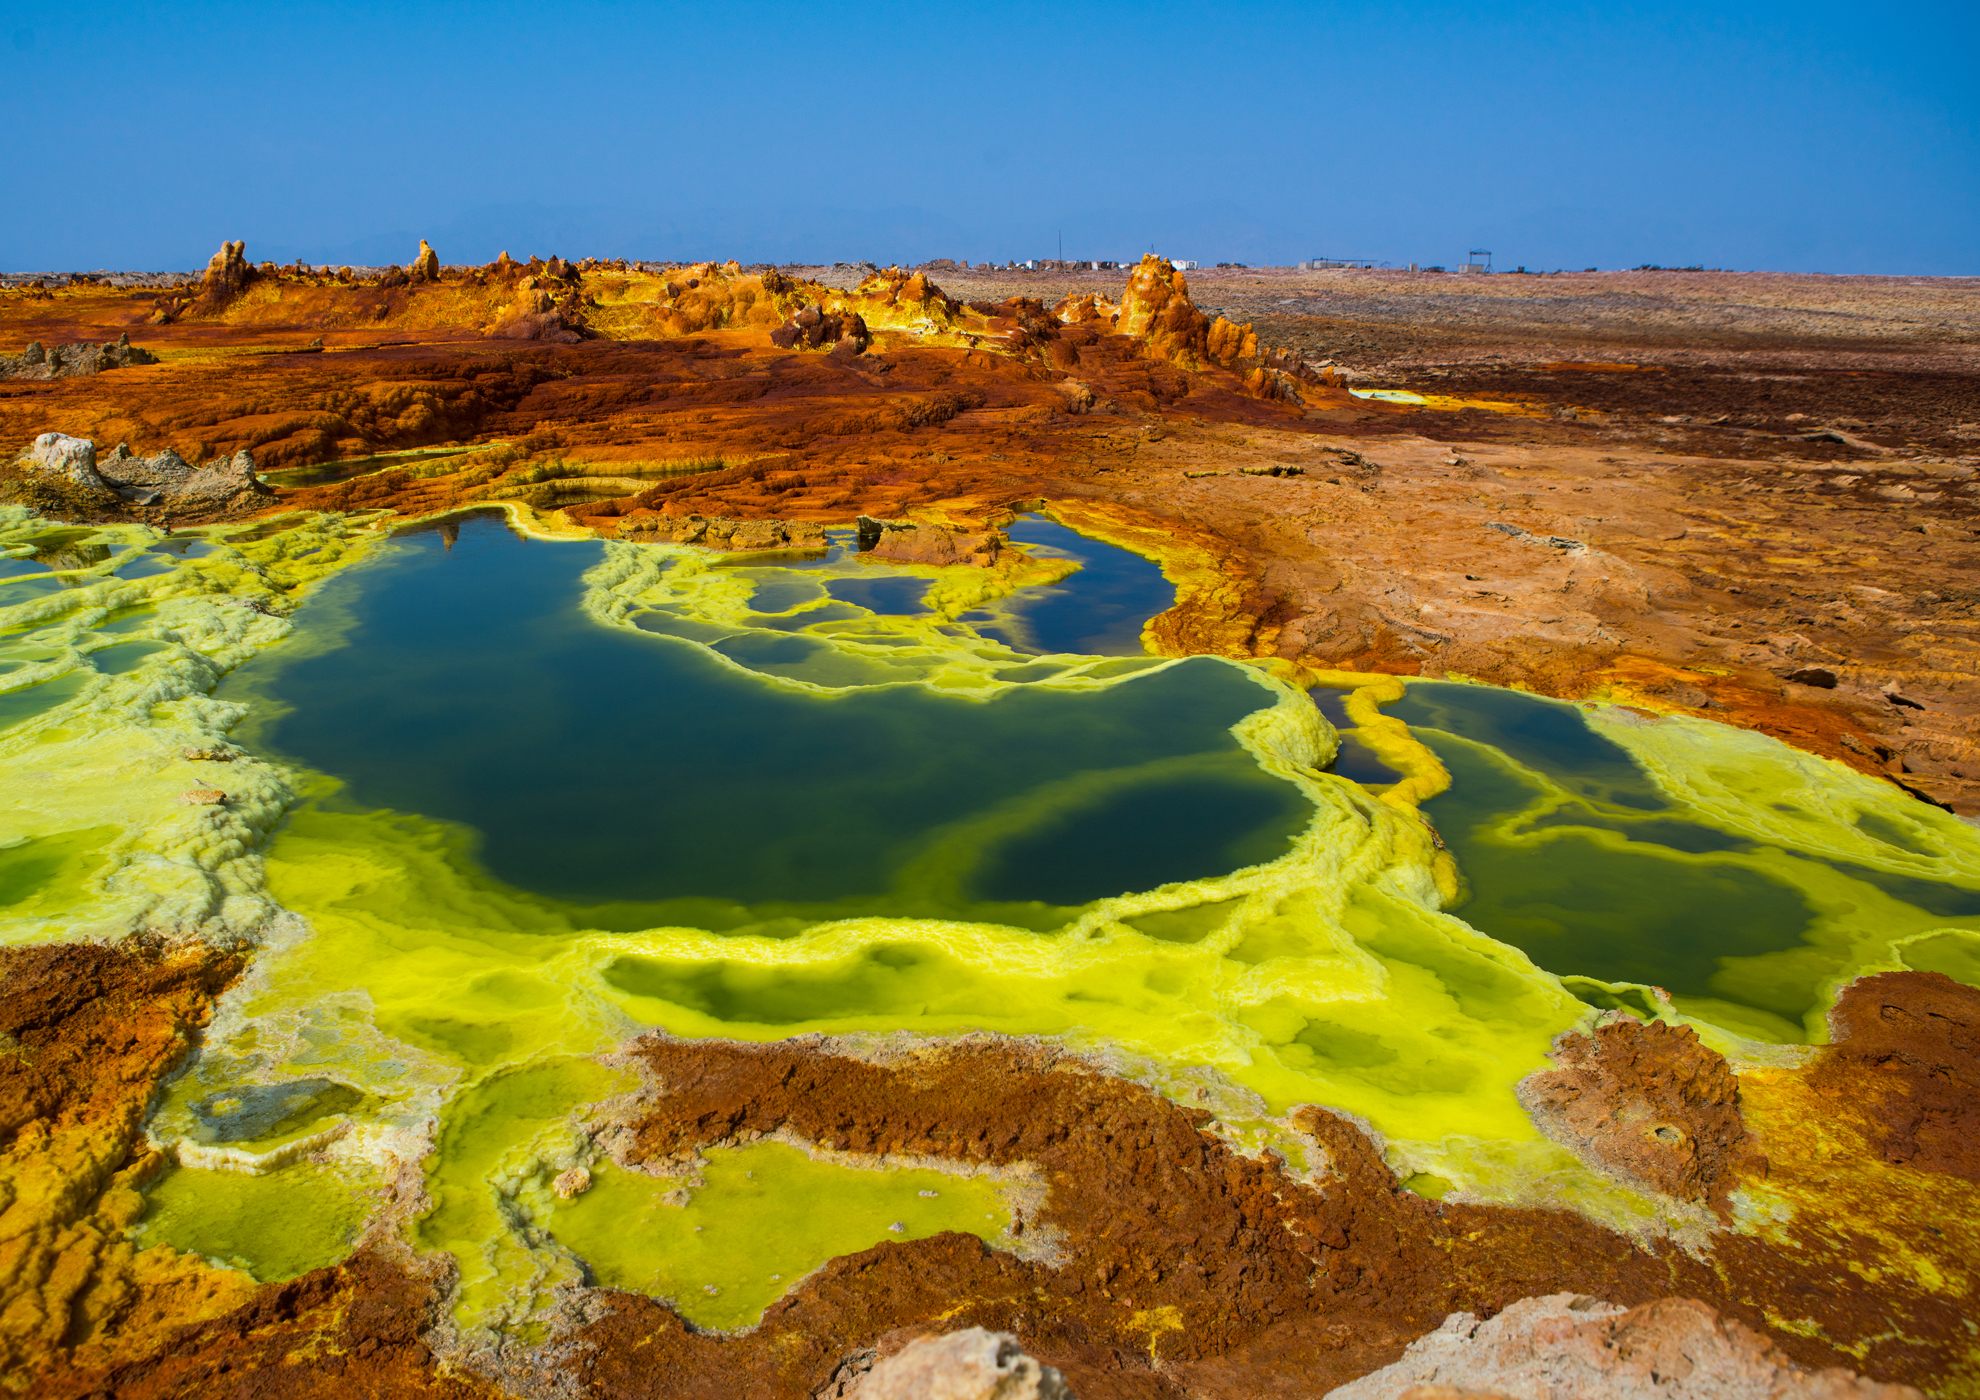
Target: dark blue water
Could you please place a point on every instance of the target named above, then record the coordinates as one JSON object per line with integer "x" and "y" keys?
{"x": 890, "y": 597}
{"x": 601, "y": 765}
{"x": 1099, "y": 611}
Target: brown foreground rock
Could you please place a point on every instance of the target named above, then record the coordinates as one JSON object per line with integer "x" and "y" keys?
{"x": 1566, "y": 1347}
{"x": 1650, "y": 1103}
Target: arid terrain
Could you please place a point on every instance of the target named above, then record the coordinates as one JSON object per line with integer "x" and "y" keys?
{"x": 1750, "y": 497}
{"x": 1683, "y": 487}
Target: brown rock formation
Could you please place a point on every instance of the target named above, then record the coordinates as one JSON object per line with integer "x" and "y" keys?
{"x": 228, "y": 273}
{"x": 927, "y": 542}
{"x": 720, "y": 532}
{"x": 425, "y": 267}
{"x": 1156, "y": 310}
{"x": 1567, "y": 1347}
{"x": 1650, "y": 1103}
{"x": 812, "y": 329}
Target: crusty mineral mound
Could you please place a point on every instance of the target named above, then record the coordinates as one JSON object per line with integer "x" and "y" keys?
{"x": 1569, "y": 1347}
{"x": 72, "y": 459}
{"x": 721, "y": 532}
{"x": 225, "y": 485}
{"x": 1650, "y": 1103}
{"x": 1903, "y": 1056}
{"x": 76, "y": 357}
{"x": 898, "y": 299}
{"x": 974, "y": 1364}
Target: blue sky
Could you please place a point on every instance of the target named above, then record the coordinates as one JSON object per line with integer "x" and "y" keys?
{"x": 1795, "y": 136}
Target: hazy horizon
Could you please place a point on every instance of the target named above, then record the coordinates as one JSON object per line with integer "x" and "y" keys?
{"x": 1787, "y": 137}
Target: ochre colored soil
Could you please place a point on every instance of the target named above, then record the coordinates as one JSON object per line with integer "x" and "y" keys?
{"x": 1178, "y": 1265}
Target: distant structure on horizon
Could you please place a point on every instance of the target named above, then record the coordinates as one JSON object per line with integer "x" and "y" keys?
{"x": 1322, "y": 264}
{"x": 1472, "y": 261}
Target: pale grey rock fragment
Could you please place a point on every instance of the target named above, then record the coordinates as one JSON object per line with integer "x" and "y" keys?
{"x": 970, "y": 1365}
{"x": 71, "y": 458}
{"x": 1569, "y": 1347}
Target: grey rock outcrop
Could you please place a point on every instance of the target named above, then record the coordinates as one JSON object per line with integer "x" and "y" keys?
{"x": 222, "y": 486}
{"x": 73, "y": 459}
{"x": 1568, "y": 1347}
{"x": 75, "y": 357}
{"x": 970, "y": 1365}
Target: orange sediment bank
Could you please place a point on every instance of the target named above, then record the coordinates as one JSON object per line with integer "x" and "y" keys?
{"x": 1175, "y": 1265}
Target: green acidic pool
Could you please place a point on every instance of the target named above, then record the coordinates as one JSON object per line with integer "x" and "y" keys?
{"x": 755, "y": 1220}
{"x": 1743, "y": 878}
{"x": 596, "y": 766}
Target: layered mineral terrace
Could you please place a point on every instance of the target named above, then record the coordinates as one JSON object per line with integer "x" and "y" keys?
{"x": 669, "y": 831}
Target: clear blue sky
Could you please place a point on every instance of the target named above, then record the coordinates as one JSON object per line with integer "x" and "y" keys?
{"x": 1803, "y": 136}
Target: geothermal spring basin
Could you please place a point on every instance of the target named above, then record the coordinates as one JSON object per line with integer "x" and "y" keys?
{"x": 494, "y": 805}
